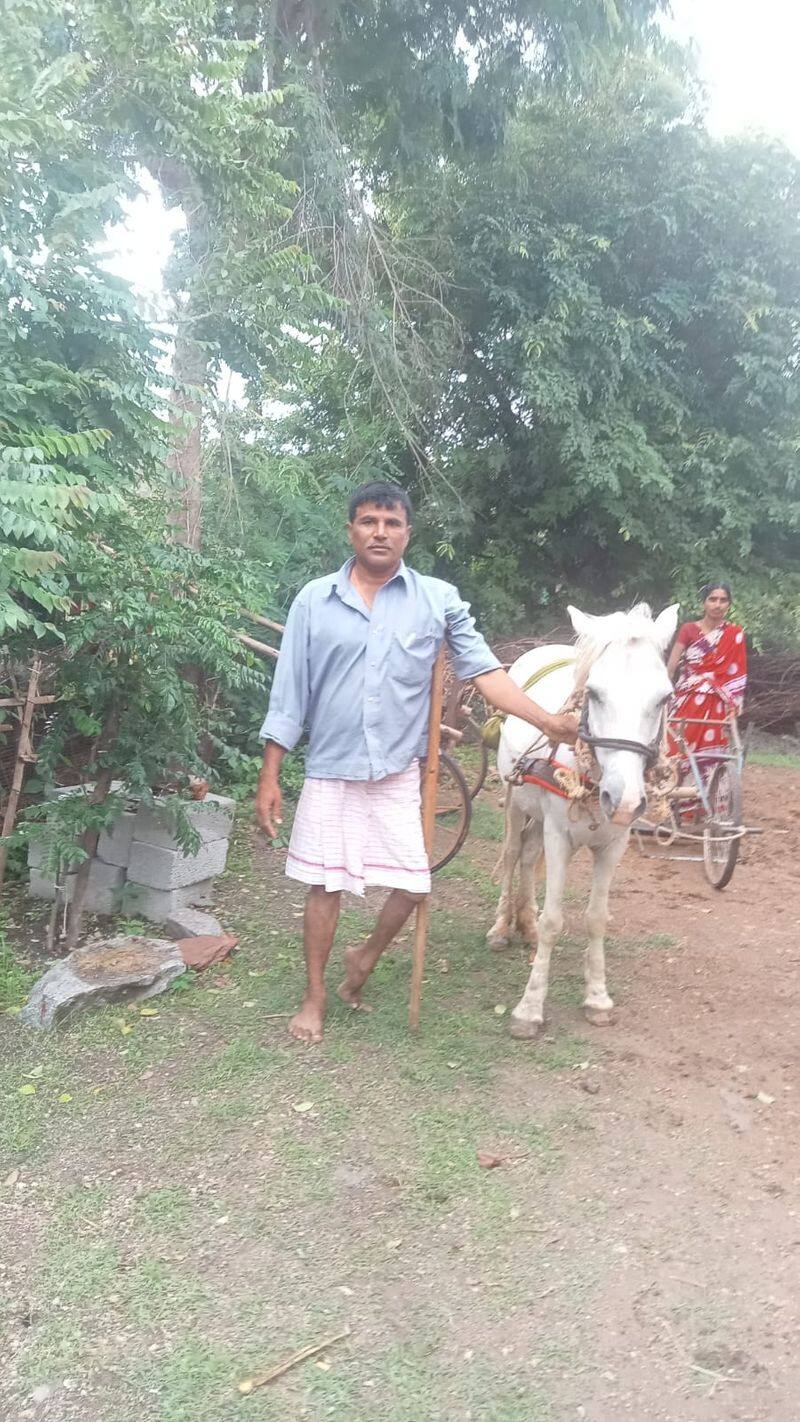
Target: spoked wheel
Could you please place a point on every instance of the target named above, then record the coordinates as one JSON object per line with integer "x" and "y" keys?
{"x": 471, "y": 755}
{"x": 722, "y": 833}
{"x": 453, "y": 812}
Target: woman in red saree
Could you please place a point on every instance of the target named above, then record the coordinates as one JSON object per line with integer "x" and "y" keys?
{"x": 708, "y": 663}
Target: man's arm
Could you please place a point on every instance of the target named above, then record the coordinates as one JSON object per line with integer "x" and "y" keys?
{"x": 500, "y": 691}
{"x": 285, "y": 719}
{"x": 474, "y": 661}
{"x": 269, "y": 800}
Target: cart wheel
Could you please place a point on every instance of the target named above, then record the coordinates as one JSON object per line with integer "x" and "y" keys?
{"x": 722, "y": 833}
{"x": 471, "y": 755}
{"x": 453, "y": 813}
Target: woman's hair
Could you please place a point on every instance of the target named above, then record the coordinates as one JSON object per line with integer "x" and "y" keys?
{"x": 707, "y": 589}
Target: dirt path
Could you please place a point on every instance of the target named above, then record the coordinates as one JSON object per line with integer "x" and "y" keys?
{"x": 208, "y": 1197}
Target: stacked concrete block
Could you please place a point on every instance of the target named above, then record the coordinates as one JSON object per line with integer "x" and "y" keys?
{"x": 139, "y": 864}
{"x": 162, "y": 878}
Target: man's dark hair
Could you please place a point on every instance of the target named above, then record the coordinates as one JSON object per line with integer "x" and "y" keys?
{"x": 381, "y": 493}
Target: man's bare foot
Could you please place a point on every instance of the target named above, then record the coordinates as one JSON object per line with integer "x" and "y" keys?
{"x": 307, "y": 1024}
{"x": 356, "y": 974}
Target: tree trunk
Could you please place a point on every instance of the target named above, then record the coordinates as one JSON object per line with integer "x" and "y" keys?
{"x": 89, "y": 839}
{"x": 190, "y": 360}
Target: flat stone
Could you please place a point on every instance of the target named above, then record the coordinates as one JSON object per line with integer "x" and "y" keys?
{"x": 114, "y": 845}
{"x": 159, "y": 904}
{"x": 212, "y": 818}
{"x": 171, "y": 868}
{"x": 122, "y": 969}
{"x": 191, "y": 923}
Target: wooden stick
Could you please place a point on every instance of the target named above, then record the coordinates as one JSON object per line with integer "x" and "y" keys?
{"x": 23, "y": 759}
{"x": 261, "y": 1379}
{"x": 264, "y": 621}
{"x": 256, "y": 646}
{"x": 23, "y": 700}
{"x": 429, "y": 789}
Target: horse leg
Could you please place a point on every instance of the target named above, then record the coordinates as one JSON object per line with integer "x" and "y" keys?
{"x": 499, "y": 934}
{"x": 528, "y": 1015}
{"x": 526, "y": 910}
{"x": 597, "y": 1005}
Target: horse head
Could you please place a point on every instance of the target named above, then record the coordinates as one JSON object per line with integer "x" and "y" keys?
{"x": 621, "y": 668}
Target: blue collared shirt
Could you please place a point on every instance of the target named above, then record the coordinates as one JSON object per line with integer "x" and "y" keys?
{"x": 359, "y": 680}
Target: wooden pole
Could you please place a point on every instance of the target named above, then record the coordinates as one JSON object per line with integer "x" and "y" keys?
{"x": 24, "y": 757}
{"x": 429, "y": 789}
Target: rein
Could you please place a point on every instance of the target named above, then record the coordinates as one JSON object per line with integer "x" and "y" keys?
{"x": 649, "y": 753}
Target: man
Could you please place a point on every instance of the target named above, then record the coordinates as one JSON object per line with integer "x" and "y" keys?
{"x": 355, "y": 669}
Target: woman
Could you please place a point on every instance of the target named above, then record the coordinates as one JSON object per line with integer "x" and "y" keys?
{"x": 708, "y": 663}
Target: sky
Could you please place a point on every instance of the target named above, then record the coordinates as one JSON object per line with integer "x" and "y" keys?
{"x": 747, "y": 58}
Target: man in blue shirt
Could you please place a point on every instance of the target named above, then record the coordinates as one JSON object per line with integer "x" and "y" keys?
{"x": 355, "y": 671}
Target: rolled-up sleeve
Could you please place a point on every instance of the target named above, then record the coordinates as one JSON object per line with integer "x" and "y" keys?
{"x": 471, "y": 654}
{"x": 288, "y": 702}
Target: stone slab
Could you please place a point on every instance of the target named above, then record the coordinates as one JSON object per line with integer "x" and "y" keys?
{"x": 159, "y": 904}
{"x": 114, "y": 845}
{"x": 121, "y": 969}
{"x": 212, "y": 818}
{"x": 192, "y": 923}
{"x": 171, "y": 868}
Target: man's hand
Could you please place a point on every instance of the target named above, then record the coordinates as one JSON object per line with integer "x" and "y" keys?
{"x": 564, "y": 728}
{"x": 268, "y": 805}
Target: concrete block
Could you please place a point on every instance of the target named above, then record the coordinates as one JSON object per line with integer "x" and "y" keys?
{"x": 114, "y": 846}
{"x": 212, "y": 818}
{"x": 159, "y": 904}
{"x": 171, "y": 868}
{"x": 191, "y": 923}
{"x": 104, "y": 894}
{"x": 38, "y": 852}
{"x": 57, "y": 792}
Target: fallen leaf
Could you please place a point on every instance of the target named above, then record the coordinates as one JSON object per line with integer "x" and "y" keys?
{"x": 65, "y": 1096}
{"x": 303, "y": 1106}
{"x": 394, "y": 1244}
{"x": 11, "y": 1179}
{"x": 323, "y": 1365}
{"x": 764, "y": 1098}
{"x": 35, "y": 1071}
{"x": 125, "y": 1028}
{"x": 499, "y": 1010}
{"x": 148, "y": 1012}
{"x": 28, "y": 1090}
{"x": 488, "y": 1160}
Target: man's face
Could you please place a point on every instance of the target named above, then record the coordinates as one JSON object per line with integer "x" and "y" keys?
{"x": 379, "y": 536}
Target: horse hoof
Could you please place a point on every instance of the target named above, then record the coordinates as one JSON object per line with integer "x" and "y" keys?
{"x": 498, "y": 942}
{"x": 600, "y": 1016}
{"x": 523, "y": 1029}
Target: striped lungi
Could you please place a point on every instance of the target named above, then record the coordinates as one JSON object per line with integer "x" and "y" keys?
{"x": 351, "y": 833}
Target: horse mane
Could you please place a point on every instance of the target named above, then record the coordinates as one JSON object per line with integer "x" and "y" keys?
{"x": 634, "y": 626}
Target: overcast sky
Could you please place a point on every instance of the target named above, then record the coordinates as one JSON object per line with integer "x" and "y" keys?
{"x": 747, "y": 56}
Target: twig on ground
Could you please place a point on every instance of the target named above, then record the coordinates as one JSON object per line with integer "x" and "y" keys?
{"x": 261, "y": 1379}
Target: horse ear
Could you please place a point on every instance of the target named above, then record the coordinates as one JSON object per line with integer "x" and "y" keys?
{"x": 581, "y": 623}
{"x": 665, "y": 625}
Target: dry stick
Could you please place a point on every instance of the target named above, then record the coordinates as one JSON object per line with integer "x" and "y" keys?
{"x": 429, "y": 789}
{"x": 255, "y": 646}
{"x": 260, "y": 1379}
{"x": 24, "y": 755}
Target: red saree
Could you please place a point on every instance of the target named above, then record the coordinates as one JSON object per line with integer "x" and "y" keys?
{"x": 710, "y": 685}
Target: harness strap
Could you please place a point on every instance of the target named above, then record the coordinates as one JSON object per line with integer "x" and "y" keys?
{"x": 490, "y": 733}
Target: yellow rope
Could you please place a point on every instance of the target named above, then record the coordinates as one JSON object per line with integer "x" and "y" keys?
{"x": 492, "y": 730}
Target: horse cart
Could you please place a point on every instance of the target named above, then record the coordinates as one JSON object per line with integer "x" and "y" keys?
{"x": 704, "y": 812}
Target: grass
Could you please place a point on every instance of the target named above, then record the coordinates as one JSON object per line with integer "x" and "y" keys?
{"x": 779, "y": 760}
{"x": 219, "y": 1227}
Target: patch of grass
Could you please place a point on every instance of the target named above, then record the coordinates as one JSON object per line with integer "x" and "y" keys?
{"x": 15, "y": 981}
{"x": 77, "y": 1269}
{"x": 167, "y": 1209}
{"x": 82, "y": 1205}
{"x": 780, "y": 760}
{"x": 154, "y": 1292}
{"x": 487, "y": 821}
{"x": 239, "y": 1063}
{"x": 55, "y": 1346}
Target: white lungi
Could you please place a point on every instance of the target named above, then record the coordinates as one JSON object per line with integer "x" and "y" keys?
{"x": 351, "y": 833}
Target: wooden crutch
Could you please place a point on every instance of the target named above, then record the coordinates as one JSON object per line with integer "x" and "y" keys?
{"x": 429, "y": 790}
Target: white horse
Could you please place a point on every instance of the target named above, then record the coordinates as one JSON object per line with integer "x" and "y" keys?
{"x": 618, "y": 667}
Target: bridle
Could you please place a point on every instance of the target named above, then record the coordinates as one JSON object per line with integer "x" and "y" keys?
{"x": 650, "y": 753}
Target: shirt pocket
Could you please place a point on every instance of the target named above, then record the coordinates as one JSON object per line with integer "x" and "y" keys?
{"x": 413, "y": 655}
